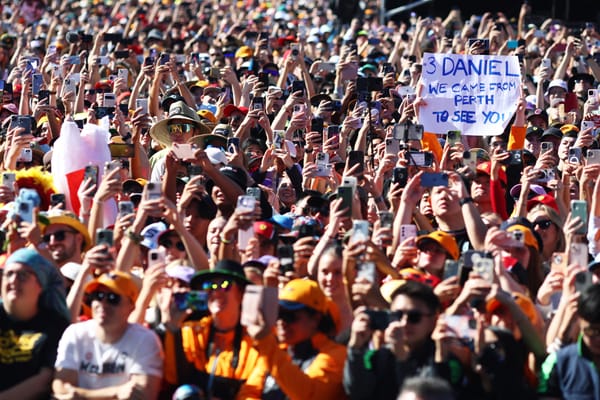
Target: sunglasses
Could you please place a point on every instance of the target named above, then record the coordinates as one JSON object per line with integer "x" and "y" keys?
{"x": 167, "y": 244}
{"x": 287, "y": 316}
{"x": 223, "y": 286}
{"x": 543, "y": 224}
{"x": 111, "y": 298}
{"x": 412, "y": 316}
{"x": 59, "y": 236}
{"x": 22, "y": 275}
{"x": 178, "y": 129}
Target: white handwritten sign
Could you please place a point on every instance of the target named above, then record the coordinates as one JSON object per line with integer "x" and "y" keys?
{"x": 476, "y": 95}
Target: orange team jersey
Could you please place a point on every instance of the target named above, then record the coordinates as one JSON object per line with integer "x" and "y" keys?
{"x": 321, "y": 380}
{"x": 195, "y": 337}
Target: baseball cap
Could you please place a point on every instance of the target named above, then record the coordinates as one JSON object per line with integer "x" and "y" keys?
{"x": 223, "y": 269}
{"x": 486, "y": 168}
{"x": 264, "y": 229}
{"x": 180, "y": 271}
{"x": 524, "y": 303}
{"x": 534, "y": 130}
{"x": 545, "y": 199}
{"x": 443, "y": 239}
{"x": 151, "y": 234}
{"x": 557, "y": 83}
{"x": 69, "y": 219}
{"x": 552, "y": 131}
{"x": 119, "y": 282}
{"x": 515, "y": 191}
{"x": 303, "y": 293}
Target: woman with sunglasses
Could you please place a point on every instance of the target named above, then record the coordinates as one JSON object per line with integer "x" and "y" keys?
{"x": 548, "y": 224}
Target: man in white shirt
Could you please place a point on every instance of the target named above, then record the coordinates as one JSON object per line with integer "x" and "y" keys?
{"x": 107, "y": 357}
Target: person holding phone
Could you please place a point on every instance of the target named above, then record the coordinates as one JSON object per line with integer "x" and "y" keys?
{"x": 214, "y": 353}
{"x": 315, "y": 367}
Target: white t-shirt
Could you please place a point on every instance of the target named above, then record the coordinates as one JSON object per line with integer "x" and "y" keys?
{"x": 101, "y": 365}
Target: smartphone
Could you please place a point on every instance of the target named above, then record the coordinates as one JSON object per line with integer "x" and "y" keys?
{"x": 263, "y": 78}
{"x": 184, "y": 151}
{"x": 111, "y": 165}
{"x": 24, "y": 209}
{"x": 126, "y": 208}
{"x": 156, "y": 256}
{"x": 214, "y": 73}
{"x": 400, "y": 176}
{"x": 470, "y": 160}
{"x": 350, "y": 181}
{"x": 278, "y": 139}
{"x": 579, "y": 209}
{"x": 450, "y": 269}
{"x": 367, "y": 270}
{"x": 233, "y": 144}
{"x": 254, "y": 192}
{"x": 431, "y": 179}
{"x": 484, "y": 267}
{"x": 22, "y": 121}
{"x": 463, "y": 273}
{"x": 453, "y": 137}
{"x": 392, "y": 146}
{"x": 512, "y": 44}
{"x": 259, "y": 300}
{"x": 546, "y": 63}
{"x": 91, "y": 172}
{"x": 74, "y": 60}
{"x": 69, "y": 85}
{"x": 9, "y": 179}
{"x": 463, "y": 326}
{"x": 123, "y": 73}
{"x": 546, "y": 147}
{"x": 26, "y": 155}
{"x": 102, "y": 60}
{"x": 333, "y": 131}
{"x": 246, "y": 203}
{"x": 386, "y": 219}
{"x": 578, "y": 254}
{"x": 194, "y": 300}
{"x": 143, "y": 104}
{"x": 360, "y": 230}
{"x": 357, "y": 157}
{"x": 258, "y": 103}
{"x": 153, "y": 190}
{"x": 407, "y": 231}
{"x": 56, "y": 199}
{"x": 420, "y": 158}
{"x": 298, "y": 86}
{"x": 104, "y": 236}
{"x": 121, "y": 150}
{"x": 37, "y": 80}
{"x": 44, "y": 96}
{"x": 346, "y": 193}
{"x": 285, "y": 253}
{"x": 575, "y": 155}
{"x": 164, "y": 58}
{"x": 119, "y": 54}
{"x": 379, "y": 320}
{"x": 558, "y": 262}
{"x": 316, "y": 125}
{"x": 593, "y": 156}
{"x": 110, "y": 100}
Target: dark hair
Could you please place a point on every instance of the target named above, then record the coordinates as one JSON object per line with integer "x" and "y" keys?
{"x": 589, "y": 304}
{"x": 419, "y": 291}
{"x": 256, "y": 141}
{"x": 428, "y": 388}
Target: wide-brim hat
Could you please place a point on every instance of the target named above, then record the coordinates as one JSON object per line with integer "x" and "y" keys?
{"x": 180, "y": 111}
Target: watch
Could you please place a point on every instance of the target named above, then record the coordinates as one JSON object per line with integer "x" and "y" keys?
{"x": 464, "y": 201}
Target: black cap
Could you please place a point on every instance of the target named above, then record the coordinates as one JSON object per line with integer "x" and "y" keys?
{"x": 223, "y": 269}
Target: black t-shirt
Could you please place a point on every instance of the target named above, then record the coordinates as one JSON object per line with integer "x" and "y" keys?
{"x": 28, "y": 346}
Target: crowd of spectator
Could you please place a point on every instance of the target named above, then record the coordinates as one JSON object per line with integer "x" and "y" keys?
{"x": 238, "y": 200}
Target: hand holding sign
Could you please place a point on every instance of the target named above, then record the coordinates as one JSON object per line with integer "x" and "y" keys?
{"x": 474, "y": 94}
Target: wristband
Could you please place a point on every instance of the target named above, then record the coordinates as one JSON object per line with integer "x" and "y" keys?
{"x": 467, "y": 200}
{"x": 225, "y": 241}
{"x": 134, "y": 237}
